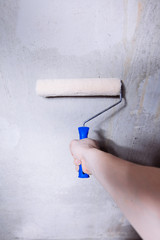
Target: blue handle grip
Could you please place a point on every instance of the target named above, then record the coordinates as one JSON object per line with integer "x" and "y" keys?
{"x": 83, "y": 133}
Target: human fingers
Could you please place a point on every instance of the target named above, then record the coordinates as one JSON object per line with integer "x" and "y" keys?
{"x": 77, "y": 162}
{"x": 77, "y": 168}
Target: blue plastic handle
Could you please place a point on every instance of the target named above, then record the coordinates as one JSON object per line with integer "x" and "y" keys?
{"x": 83, "y": 133}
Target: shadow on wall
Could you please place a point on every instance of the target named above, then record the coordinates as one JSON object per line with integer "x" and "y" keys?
{"x": 132, "y": 155}
{"x": 10, "y": 222}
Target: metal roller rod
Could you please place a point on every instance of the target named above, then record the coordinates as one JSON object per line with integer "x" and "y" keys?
{"x": 120, "y": 100}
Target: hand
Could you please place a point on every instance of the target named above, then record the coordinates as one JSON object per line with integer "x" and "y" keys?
{"x": 79, "y": 150}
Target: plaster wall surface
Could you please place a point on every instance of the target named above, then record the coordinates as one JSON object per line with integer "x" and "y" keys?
{"x": 40, "y": 194}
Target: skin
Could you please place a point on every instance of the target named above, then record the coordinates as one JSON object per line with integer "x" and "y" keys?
{"x": 135, "y": 188}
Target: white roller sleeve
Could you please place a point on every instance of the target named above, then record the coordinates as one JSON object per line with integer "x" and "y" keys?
{"x": 78, "y": 87}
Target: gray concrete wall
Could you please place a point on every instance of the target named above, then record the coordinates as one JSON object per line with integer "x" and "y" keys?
{"x": 40, "y": 194}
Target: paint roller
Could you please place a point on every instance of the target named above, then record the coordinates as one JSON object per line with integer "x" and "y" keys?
{"x": 81, "y": 87}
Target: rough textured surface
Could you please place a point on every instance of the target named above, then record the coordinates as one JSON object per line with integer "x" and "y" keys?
{"x": 78, "y": 87}
{"x": 40, "y": 195}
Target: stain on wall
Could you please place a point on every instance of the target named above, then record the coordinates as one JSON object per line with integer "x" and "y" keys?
{"x": 40, "y": 194}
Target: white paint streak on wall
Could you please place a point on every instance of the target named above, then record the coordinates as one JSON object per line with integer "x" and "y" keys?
{"x": 74, "y": 31}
